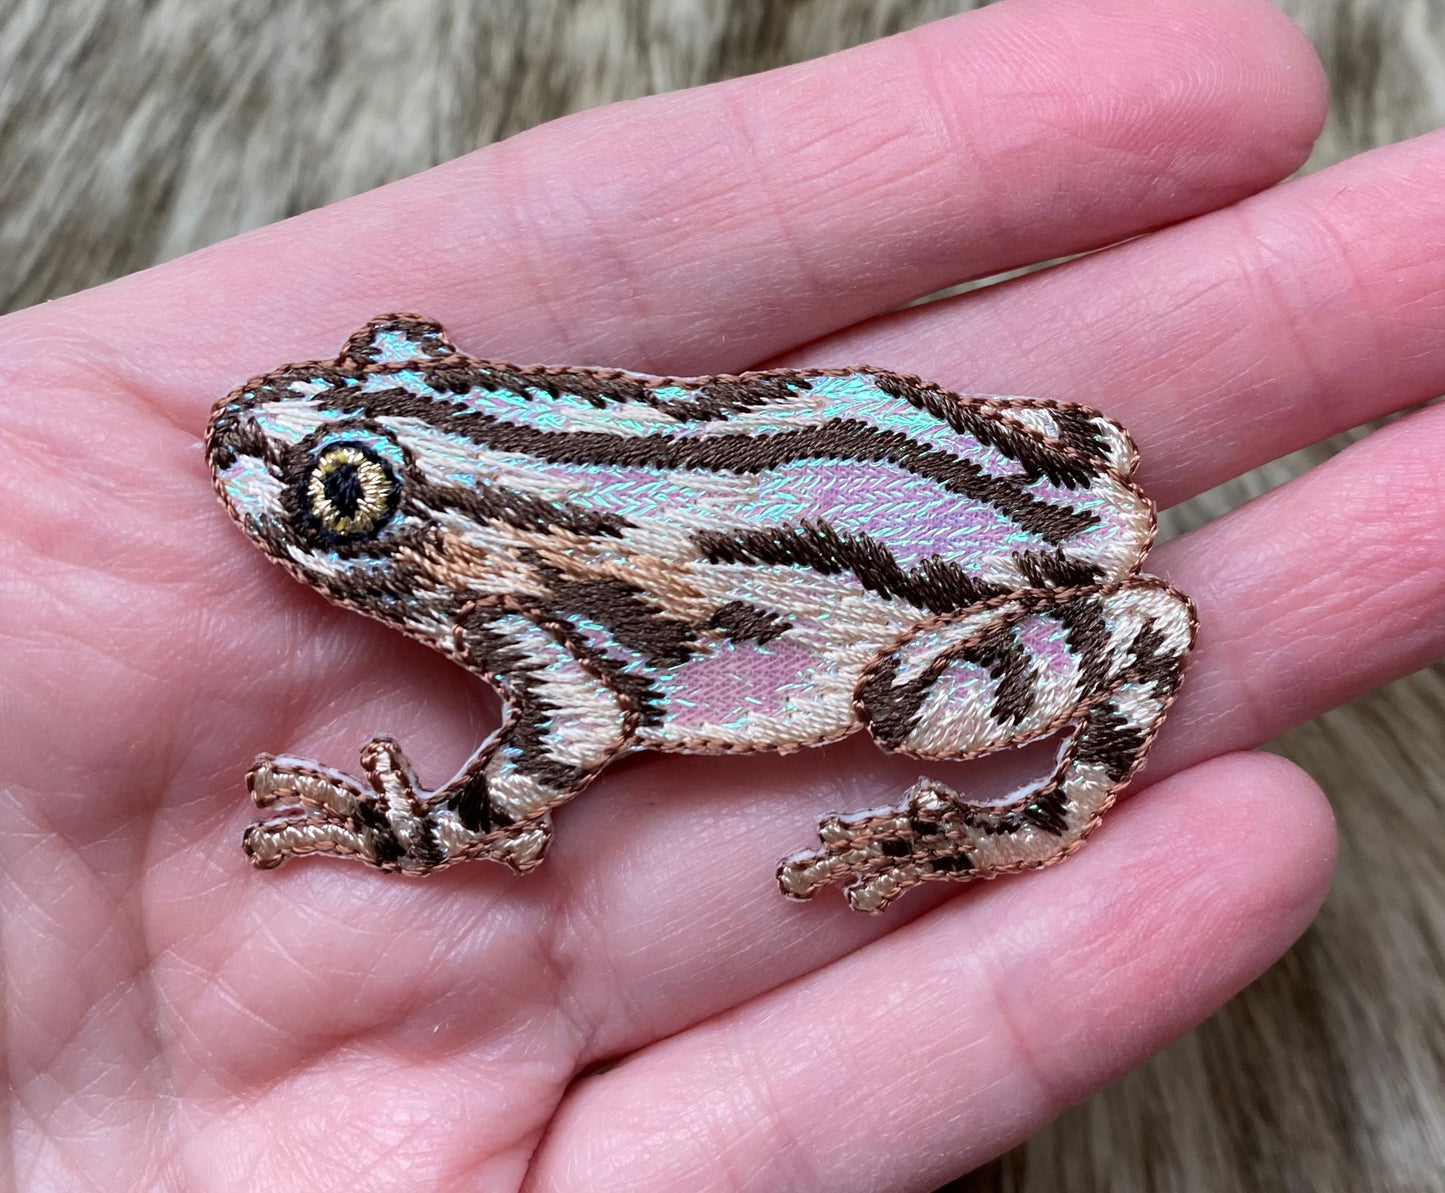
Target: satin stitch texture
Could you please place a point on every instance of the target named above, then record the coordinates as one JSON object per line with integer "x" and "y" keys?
{"x": 715, "y": 565}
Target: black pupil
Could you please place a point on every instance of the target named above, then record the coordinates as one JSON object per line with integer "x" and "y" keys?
{"x": 342, "y": 487}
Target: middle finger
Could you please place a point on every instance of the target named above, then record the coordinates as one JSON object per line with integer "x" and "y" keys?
{"x": 1223, "y": 342}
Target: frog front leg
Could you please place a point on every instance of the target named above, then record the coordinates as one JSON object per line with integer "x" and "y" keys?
{"x": 564, "y": 725}
{"x": 1103, "y": 663}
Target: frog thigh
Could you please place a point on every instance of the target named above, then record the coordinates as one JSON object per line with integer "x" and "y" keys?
{"x": 981, "y": 679}
{"x": 992, "y": 676}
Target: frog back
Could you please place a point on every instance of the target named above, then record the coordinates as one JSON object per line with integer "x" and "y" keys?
{"x": 918, "y": 494}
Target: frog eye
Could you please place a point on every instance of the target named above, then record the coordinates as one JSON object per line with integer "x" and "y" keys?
{"x": 351, "y": 492}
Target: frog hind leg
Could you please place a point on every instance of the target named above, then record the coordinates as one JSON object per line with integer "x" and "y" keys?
{"x": 1102, "y": 663}
{"x": 564, "y": 725}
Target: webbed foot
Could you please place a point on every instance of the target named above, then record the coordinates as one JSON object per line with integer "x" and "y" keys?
{"x": 395, "y": 825}
{"x": 876, "y": 856}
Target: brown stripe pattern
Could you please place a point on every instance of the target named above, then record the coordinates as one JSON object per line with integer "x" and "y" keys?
{"x": 686, "y": 601}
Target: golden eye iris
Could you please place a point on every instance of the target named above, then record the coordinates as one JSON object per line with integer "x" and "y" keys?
{"x": 349, "y": 491}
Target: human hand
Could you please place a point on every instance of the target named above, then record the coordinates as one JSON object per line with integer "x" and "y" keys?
{"x": 175, "y": 1019}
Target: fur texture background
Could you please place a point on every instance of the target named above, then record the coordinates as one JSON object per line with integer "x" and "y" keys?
{"x": 135, "y": 130}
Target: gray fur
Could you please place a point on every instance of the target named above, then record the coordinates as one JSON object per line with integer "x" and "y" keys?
{"x": 131, "y": 132}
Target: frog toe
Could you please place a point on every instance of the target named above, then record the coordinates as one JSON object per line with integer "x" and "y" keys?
{"x": 286, "y": 782}
{"x": 297, "y": 832}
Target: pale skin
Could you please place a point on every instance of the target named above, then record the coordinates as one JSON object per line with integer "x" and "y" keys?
{"x": 177, "y": 1020}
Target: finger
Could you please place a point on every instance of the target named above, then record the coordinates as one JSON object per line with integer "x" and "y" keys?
{"x": 1224, "y": 342}
{"x": 1323, "y": 589}
{"x": 706, "y": 229}
{"x": 941, "y": 1045}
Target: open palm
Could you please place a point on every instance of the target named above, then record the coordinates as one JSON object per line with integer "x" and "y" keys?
{"x": 645, "y": 1012}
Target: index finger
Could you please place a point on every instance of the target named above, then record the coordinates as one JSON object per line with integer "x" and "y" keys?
{"x": 706, "y": 230}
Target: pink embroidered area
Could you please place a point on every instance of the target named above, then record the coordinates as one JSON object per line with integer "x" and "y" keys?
{"x": 756, "y": 562}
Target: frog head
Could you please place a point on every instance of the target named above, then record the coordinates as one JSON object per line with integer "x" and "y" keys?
{"x": 314, "y": 482}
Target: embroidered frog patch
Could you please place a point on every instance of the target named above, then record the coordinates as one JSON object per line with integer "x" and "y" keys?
{"x": 756, "y": 562}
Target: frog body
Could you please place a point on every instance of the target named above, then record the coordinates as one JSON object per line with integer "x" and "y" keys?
{"x": 760, "y": 562}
